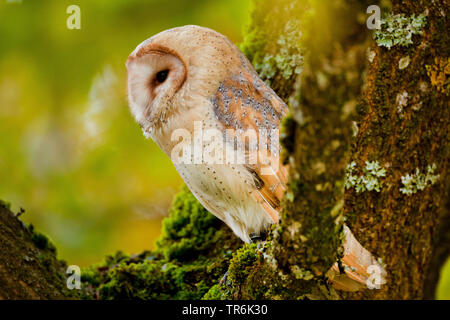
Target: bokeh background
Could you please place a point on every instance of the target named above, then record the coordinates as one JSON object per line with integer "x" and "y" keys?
{"x": 70, "y": 152}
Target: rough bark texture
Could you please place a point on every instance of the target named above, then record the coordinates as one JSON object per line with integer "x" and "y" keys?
{"x": 352, "y": 101}
{"x": 403, "y": 124}
{"x": 28, "y": 266}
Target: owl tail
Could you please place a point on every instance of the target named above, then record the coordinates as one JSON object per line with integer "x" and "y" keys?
{"x": 361, "y": 269}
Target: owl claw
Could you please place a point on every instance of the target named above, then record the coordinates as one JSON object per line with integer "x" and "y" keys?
{"x": 259, "y": 239}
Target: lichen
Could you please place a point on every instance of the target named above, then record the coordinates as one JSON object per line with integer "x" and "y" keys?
{"x": 368, "y": 181}
{"x": 273, "y": 47}
{"x": 399, "y": 29}
{"x": 402, "y": 102}
{"x": 403, "y": 63}
{"x": 288, "y": 58}
{"x": 418, "y": 181}
{"x": 371, "y": 55}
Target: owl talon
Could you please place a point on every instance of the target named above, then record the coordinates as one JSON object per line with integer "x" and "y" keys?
{"x": 256, "y": 237}
{"x": 259, "y": 239}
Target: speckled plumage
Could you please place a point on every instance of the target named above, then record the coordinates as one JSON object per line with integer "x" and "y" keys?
{"x": 220, "y": 88}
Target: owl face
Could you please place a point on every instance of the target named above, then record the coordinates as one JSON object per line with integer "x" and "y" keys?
{"x": 175, "y": 72}
{"x": 154, "y": 77}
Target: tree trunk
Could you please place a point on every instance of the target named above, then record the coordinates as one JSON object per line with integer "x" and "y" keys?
{"x": 403, "y": 125}
{"x": 401, "y": 128}
{"x": 28, "y": 267}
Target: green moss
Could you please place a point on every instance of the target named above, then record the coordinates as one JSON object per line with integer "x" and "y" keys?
{"x": 242, "y": 263}
{"x": 5, "y": 204}
{"x": 287, "y": 137}
{"x": 273, "y": 47}
{"x": 189, "y": 230}
{"x": 215, "y": 293}
{"x": 191, "y": 257}
{"x": 40, "y": 240}
{"x": 155, "y": 280}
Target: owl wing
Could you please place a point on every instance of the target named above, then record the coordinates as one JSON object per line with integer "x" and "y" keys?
{"x": 245, "y": 104}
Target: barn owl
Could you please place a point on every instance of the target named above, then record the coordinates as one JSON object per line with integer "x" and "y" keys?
{"x": 192, "y": 91}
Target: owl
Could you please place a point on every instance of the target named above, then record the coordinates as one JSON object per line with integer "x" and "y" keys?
{"x": 198, "y": 97}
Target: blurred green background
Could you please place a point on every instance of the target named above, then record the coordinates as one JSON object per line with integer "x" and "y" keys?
{"x": 70, "y": 152}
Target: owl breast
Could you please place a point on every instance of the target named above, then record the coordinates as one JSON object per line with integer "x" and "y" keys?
{"x": 226, "y": 191}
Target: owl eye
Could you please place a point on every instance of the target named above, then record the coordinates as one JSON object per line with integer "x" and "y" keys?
{"x": 161, "y": 76}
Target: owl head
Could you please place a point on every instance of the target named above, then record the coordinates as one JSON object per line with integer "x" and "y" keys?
{"x": 177, "y": 70}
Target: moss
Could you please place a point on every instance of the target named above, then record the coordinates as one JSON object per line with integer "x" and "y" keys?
{"x": 287, "y": 135}
{"x": 242, "y": 263}
{"x": 40, "y": 240}
{"x": 439, "y": 74}
{"x": 272, "y": 42}
{"x": 189, "y": 230}
{"x": 155, "y": 280}
{"x": 214, "y": 293}
{"x": 190, "y": 258}
{"x": 5, "y": 204}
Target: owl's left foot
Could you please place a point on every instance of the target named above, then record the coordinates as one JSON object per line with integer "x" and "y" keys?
{"x": 259, "y": 239}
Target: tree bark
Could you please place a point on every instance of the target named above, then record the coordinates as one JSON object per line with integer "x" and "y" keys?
{"x": 28, "y": 266}
{"x": 403, "y": 124}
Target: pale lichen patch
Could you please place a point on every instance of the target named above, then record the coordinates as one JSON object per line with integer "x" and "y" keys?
{"x": 403, "y": 63}
{"x": 402, "y": 101}
{"x": 399, "y": 29}
{"x": 418, "y": 181}
{"x": 300, "y": 273}
{"x": 368, "y": 181}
